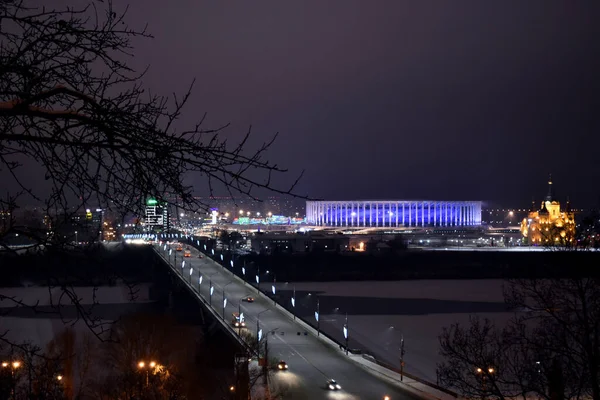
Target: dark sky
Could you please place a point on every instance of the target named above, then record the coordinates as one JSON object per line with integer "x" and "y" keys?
{"x": 395, "y": 99}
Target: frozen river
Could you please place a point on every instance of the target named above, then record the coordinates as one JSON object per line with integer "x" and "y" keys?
{"x": 381, "y": 313}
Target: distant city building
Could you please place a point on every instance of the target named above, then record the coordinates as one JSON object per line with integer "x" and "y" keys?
{"x": 503, "y": 217}
{"x": 298, "y": 243}
{"x": 550, "y": 225}
{"x": 393, "y": 213}
{"x": 157, "y": 216}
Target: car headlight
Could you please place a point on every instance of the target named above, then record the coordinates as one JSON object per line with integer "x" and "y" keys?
{"x": 236, "y": 324}
{"x": 281, "y": 367}
{"x": 338, "y": 387}
{"x": 331, "y": 387}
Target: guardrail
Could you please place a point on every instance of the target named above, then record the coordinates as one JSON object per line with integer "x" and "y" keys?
{"x": 372, "y": 359}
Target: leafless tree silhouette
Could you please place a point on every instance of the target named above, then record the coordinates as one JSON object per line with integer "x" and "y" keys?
{"x": 550, "y": 349}
{"x": 70, "y": 103}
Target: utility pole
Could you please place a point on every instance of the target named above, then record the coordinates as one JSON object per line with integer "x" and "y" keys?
{"x": 318, "y": 316}
{"x": 402, "y": 358}
{"x": 294, "y": 303}
{"x": 346, "y": 333}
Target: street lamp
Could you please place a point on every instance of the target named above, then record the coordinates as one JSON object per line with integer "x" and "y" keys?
{"x": 13, "y": 366}
{"x": 146, "y": 367}
{"x": 76, "y": 239}
{"x": 317, "y": 318}
{"x": 225, "y": 298}
{"x": 240, "y": 315}
{"x": 294, "y": 303}
{"x": 345, "y": 330}
{"x": 259, "y": 331}
{"x": 258, "y": 280}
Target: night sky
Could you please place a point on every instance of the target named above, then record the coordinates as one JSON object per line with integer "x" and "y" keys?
{"x": 473, "y": 100}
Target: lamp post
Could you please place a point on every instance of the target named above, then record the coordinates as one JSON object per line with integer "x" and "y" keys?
{"x": 317, "y": 318}
{"x": 345, "y": 330}
{"x": 240, "y": 313}
{"x": 402, "y": 359}
{"x": 211, "y": 291}
{"x": 244, "y": 272}
{"x": 294, "y": 303}
{"x": 259, "y": 332}
{"x": 257, "y": 279}
{"x": 76, "y": 239}
{"x": 225, "y": 298}
{"x": 146, "y": 367}
{"x": 13, "y": 365}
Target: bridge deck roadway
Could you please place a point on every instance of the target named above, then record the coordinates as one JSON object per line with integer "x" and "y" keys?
{"x": 311, "y": 361}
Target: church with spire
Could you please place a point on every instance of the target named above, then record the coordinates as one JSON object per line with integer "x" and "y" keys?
{"x": 549, "y": 225}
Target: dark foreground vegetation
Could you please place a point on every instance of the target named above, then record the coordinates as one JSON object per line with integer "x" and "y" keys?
{"x": 429, "y": 265}
{"x": 183, "y": 355}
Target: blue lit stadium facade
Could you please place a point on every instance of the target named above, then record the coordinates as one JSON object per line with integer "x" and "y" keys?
{"x": 393, "y": 213}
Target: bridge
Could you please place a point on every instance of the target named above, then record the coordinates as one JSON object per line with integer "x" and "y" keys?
{"x": 313, "y": 358}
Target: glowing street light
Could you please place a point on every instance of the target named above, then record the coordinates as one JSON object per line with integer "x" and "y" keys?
{"x": 147, "y": 367}
{"x": 231, "y": 263}
{"x": 345, "y": 330}
{"x": 294, "y": 302}
{"x": 317, "y": 319}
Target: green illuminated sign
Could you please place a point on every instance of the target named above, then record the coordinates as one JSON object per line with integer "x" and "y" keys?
{"x": 151, "y": 202}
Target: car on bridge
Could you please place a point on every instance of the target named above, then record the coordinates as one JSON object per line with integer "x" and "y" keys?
{"x": 282, "y": 366}
{"x": 248, "y": 299}
{"x": 238, "y": 320}
{"x": 333, "y": 385}
{"x": 187, "y": 253}
{"x": 179, "y": 247}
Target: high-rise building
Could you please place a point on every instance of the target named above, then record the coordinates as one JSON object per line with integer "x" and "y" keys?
{"x": 157, "y": 216}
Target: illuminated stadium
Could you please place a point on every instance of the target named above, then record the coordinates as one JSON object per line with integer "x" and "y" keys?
{"x": 393, "y": 213}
